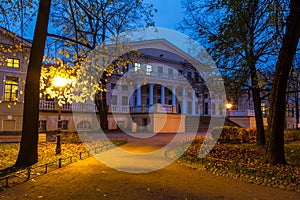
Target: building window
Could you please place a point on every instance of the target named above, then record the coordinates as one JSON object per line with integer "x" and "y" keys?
{"x": 63, "y": 124}
{"x": 148, "y": 70}
{"x": 137, "y": 66}
{"x": 160, "y": 69}
{"x": 84, "y": 125}
{"x": 263, "y": 108}
{"x": 170, "y": 73}
{"x": 114, "y": 100}
{"x": 11, "y": 89}
{"x": 42, "y": 125}
{"x": 124, "y": 100}
{"x": 13, "y": 62}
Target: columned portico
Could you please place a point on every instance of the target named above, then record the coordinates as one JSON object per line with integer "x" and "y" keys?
{"x": 184, "y": 102}
{"x": 131, "y": 100}
{"x": 151, "y": 94}
{"x": 174, "y": 96}
{"x": 162, "y": 94}
{"x": 193, "y": 103}
{"x": 139, "y": 95}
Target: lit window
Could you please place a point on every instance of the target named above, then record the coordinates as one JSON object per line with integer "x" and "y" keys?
{"x": 137, "y": 66}
{"x": 11, "y": 89}
{"x": 12, "y": 62}
{"x": 263, "y": 108}
{"x": 148, "y": 70}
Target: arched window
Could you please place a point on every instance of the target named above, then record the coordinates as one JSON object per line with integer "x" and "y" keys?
{"x": 84, "y": 125}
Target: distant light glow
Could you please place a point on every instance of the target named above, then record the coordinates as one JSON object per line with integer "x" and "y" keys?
{"x": 229, "y": 106}
{"x": 59, "y": 81}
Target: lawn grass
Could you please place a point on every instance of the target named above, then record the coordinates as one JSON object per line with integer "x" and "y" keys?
{"x": 46, "y": 151}
{"x": 247, "y": 162}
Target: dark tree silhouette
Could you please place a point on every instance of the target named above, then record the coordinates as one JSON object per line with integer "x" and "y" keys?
{"x": 275, "y": 147}
{"x": 28, "y": 154}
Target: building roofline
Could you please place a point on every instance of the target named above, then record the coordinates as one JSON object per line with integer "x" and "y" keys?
{"x": 15, "y": 36}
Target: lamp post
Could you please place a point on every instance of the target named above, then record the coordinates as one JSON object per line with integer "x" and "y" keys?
{"x": 60, "y": 83}
{"x": 228, "y": 107}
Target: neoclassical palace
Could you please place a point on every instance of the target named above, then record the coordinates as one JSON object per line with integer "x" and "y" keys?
{"x": 164, "y": 104}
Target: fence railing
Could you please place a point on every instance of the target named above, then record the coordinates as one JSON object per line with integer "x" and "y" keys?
{"x": 28, "y": 173}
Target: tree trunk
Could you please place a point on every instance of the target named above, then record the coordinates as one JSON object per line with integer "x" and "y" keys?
{"x": 297, "y": 102}
{"x": 275, "y": 148}
{"x": 28, "y": 154}
{"x": 100, "y": 101}
{"x": 260, "y": 132}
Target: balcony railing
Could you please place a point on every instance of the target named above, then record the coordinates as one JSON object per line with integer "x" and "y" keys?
{"x": 52, "y": 106}
{"x": 158, "y": 108}
{"x": 241, "y": 113}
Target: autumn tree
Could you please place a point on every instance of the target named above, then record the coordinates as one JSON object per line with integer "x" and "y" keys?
{"x": 275, "y": 147}
{"x": 242, "y": 37}
{"x": 85, "y": 25}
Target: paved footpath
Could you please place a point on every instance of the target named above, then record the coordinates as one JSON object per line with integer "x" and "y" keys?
{"x": 90, "y": 179}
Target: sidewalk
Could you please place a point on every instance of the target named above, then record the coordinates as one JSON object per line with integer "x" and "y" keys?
{"x": 90, "y": 179}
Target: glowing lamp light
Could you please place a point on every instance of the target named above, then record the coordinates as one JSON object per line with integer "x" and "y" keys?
{"x": 59, "y": 81}
{"x": 229, "y": 106}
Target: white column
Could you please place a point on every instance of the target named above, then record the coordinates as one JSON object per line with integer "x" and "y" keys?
{"x": 151, "y": 95}
{"x": 174, "y": 95}
{"x": 193, "y": 103}
{"x": 139, "y": 95}
{"x": 162, "y": 95}
{"x": 183, "y": 104}
{"x": 131, "y": 100}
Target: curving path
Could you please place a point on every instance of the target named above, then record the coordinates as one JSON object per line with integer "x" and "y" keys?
{"x": 90, "y": 179}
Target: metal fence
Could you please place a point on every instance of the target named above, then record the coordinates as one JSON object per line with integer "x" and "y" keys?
{"x": 28, "y": 173}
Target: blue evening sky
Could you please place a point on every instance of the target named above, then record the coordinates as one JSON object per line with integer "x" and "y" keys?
{"x": 168, "y": 16}
{"x": 169, "y": 13}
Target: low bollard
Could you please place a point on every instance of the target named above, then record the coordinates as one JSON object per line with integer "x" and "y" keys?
{"x": 59, "y": 163}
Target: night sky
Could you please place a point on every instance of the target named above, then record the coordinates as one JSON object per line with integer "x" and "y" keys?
{"x": 169, "y": 13}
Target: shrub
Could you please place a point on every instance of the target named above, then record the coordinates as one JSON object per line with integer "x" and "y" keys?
{"x": 70, "y": 138}
{"x": 231, "y": 134}
{"x": 292, "y": 135}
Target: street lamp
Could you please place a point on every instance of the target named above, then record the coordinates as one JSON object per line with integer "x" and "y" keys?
{"x": 228, "y": 107}
{"x": 59, "y": 82}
